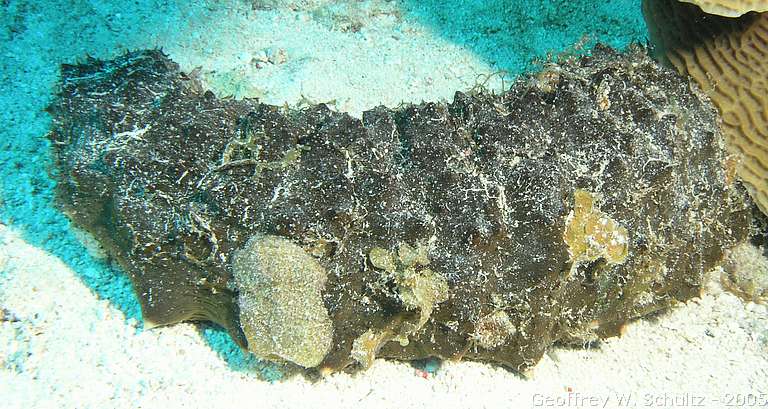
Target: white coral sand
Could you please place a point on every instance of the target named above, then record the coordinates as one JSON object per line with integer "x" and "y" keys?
{"x": 62, "y": 347}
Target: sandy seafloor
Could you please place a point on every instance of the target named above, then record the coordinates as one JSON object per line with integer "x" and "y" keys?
{"x": 70, "y": 332}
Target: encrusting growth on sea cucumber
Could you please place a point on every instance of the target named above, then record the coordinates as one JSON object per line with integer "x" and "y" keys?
{"x": 280, "y": 302}
{"x": 487, "y": 228}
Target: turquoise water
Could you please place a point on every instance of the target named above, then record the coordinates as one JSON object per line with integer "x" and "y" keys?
{"x": 508, "y": 35}
{"x": 511, "y": 35}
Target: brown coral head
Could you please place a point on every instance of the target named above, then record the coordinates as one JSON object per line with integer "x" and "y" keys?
{"x": 728, "y": 58}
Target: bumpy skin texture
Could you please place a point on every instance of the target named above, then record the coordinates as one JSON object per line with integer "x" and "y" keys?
{"x": 478, "y": 192}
